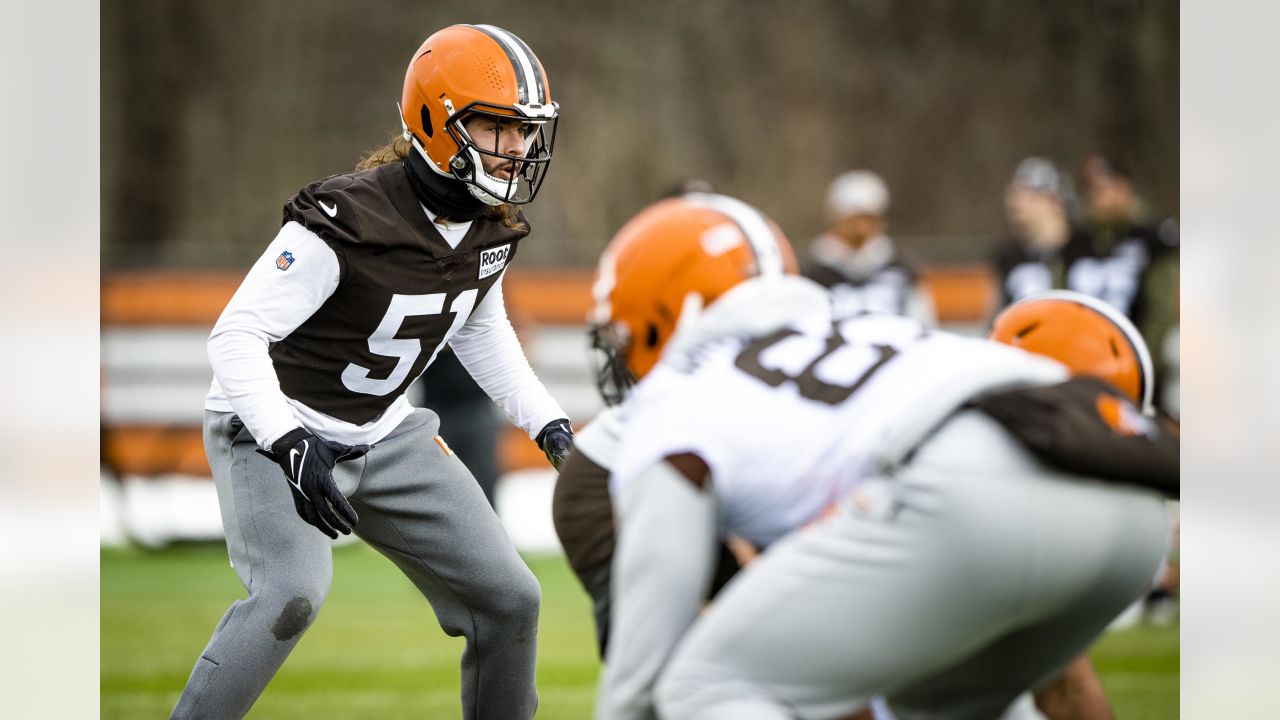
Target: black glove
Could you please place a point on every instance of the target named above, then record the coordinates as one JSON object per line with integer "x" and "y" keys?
{"x": 556, "y": 440}
{"x": 308, "y": 466}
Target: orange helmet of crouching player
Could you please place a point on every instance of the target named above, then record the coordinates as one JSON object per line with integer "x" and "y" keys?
{"x": 1086, "y": 334}
{"x": 685, "y": 249}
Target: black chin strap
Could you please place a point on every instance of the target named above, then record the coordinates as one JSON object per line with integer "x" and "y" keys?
{"x": 445, "y": 197}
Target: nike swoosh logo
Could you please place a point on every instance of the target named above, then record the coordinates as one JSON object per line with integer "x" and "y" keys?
{"x": 293, "y": 455}
{"x": 330, "y": 211}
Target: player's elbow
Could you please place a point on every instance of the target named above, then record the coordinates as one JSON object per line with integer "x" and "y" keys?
{"x": 220, "y": 342}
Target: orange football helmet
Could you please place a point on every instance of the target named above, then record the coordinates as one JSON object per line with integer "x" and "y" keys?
{"x": 465, "y": 70}
{"x": 685, "y": 249}
{"x": 1086, "y": 334}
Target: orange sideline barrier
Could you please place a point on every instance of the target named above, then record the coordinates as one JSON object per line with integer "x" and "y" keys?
{"x": 148, "y": 450}
{"x": 962, "y": 294}
{"x": 197, "y": 298}
{"x": 165, "y": 298}
{"x": 153, "y": 450}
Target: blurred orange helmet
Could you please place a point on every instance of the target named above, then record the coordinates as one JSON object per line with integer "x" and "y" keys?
{"x": 1086, "y": 334}
{"x": 464, "y": 70}
{"x": 680, "y": 252}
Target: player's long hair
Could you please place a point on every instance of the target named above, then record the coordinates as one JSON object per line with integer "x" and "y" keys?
{"x": 397, "y": 148}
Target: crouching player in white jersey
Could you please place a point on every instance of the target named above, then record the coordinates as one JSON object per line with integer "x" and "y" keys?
{"x": 956, "y": 570}
{"x": 699, "y": 228}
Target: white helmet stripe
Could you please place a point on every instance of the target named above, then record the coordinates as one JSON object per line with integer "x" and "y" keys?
{"x": 526, "y": 72}
{"x": 760, "y": 236}
{"x": 1139, "y": 345}
{"x": 602, "y": 289}
{"x": 539, "y": 75}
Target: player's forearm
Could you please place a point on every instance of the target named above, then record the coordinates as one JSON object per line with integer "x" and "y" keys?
{"x": 1075, "y": 694}
{"x": 662, "y": 566}
{"x": 248, "y": 379}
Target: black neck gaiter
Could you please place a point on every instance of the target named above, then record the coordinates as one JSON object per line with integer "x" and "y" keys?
{"x": 446, "y": 198}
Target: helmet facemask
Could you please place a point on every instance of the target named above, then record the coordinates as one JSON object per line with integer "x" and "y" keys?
{"x": 609, "y": 341}
{"x": 529, "y": 167}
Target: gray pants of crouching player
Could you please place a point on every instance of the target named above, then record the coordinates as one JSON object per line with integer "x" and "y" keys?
{"x": 975, "y": 574}
{"x": 420, "y": 508}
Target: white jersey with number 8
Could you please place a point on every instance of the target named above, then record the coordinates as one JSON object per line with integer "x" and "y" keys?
{"x": 819, "y": 403}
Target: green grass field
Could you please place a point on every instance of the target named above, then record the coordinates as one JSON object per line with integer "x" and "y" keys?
{"x": 376, "y": 650}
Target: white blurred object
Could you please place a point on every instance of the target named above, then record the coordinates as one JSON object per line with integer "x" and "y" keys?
{"x": 857, "y": 192}
{"x": 1129, "y": 618}
{"x": 523, "y": 501}
{"x": 167, "y": 508}
{"x": 111, "y": 532}
{"x": 156, "y": 511}
{"x": 1024, "y": 708}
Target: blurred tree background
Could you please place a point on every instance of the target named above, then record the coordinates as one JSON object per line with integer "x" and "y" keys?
{"x": 215, "y": 113}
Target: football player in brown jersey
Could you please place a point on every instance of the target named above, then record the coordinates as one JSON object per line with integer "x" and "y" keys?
{"x": 370, "y": 275}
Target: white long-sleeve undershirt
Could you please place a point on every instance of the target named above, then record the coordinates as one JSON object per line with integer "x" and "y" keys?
{"x": 271, "y": 303}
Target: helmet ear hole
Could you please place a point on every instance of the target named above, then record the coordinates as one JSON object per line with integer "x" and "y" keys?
{"x": 651, "y": 336}
{"x": 426, "y": 121}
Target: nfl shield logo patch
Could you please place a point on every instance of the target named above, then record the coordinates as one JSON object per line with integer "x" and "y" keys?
{"x": 285, "y": 260}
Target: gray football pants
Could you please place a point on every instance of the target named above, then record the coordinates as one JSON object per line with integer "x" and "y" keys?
{"x": 420, "y": 508}
{"x": 971, "y": 576}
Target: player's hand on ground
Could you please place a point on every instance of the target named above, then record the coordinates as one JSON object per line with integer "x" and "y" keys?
{"x": 308, "y": 463}
{"x": 556, "y": 440}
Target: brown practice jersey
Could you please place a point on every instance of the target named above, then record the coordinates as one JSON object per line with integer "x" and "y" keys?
{"x": 402, "y": 291}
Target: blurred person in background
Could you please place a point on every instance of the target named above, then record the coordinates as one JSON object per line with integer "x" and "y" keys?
{"x": 372, "y": 273}
{"x": 1111, "y": 256}
{"x": 1133, "y": 263}
{"x": 1129, "y": 261}
{"x": 1031, "y": 259}
{"x": 688, "y": 185}
{"x": 857, "y": 261}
